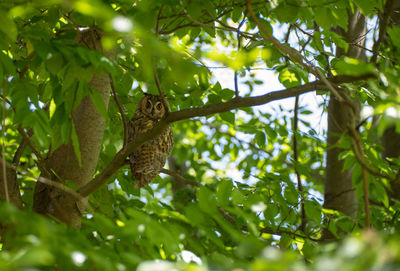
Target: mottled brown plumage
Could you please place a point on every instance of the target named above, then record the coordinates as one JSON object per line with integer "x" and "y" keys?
{"x": 147, "y": 162}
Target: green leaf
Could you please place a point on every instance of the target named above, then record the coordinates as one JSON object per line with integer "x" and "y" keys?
{"x": 226, "y": 93}
{"x": 224, "y": 191}
{"x": 228, "y": 117}
{"x": 378, "y": 192}
{"x": 236, "y": 14}
{"x": 207, "y": 201}
{"x": 98, "y": 102}
{"x": 288, "y": 78}
{"x": 313, "y": 211}
{"x": 55, "y": 63}
{"x": 309, "y": 249}
{"x": 260, "y": 139}
{"x": 394, "y": 34}
{"x": 287, "y": 13}
{"x": 75, "y": 144}
{"x": 367, "y": 7}
{"x": 238, "y": 197}
{"x": 35, "y": 256}
{"x": 7, "y": 26}
{"x": 124, "y": 84}
{"x": 194, "y": 214}
{"x": 9, "y": 67}
{"x": 353, "y": 66}
{"x": 323, "y": 17}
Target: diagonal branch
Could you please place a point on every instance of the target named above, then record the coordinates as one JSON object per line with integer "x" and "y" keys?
{"x": 119, "y": 159}
{"x": 179, "y": 178}
{"x": 295, "y": 55}
{"x": 358, "y": 150}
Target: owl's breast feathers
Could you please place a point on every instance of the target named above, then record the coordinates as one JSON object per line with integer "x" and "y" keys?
{"x": 149, "y": 159}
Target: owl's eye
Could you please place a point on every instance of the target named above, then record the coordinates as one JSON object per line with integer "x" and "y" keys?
{"x": 158, "y": 106}
{"x": 148, "y": 105}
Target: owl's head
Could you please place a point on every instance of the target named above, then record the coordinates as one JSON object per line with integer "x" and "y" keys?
{"x": 152, "y": 106}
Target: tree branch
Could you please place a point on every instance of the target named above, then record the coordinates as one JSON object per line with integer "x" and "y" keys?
{"x": 295, "y": 55}
{"x": 41, "y": 161}
{"x": 119, "y": 159}
{"x": 179, "y": 178}
{"x": 296, "y": 159}
{"x": 278, "y": 231}
{"x": 21, "y": 148}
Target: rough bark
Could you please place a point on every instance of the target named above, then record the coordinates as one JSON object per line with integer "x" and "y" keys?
{"x": 339, "y": 192}
{"x": 89, "y": 126}
{"x": 14, "y": 195}
{"x": 390, "y": 138}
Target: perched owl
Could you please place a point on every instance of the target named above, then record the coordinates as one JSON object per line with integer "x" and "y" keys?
{"x": 149, "y": 159}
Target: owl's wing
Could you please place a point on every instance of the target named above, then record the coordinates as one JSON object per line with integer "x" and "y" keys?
{"x": 133, "y": 126}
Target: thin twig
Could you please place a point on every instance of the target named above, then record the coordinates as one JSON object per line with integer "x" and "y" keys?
{"x": 238, "y": 50}
{"x": 382, "y": 28}
{"x": 21, "y": 148}
{"x": 204, "y": 24}
{"x": 121, "y": 110}
{"x": 157, "y": 80}
{"x": 295, "y": 55}
{"x": 296, "y": 159}
{"x": 32, "y": 146}
{"x": 359, "y": 154}
{"x": 250, "y": 36}
{"x": 3, "y": 149}
{"x": 158, "y": 19}
{"x": 4, "y": 98}
{"x": 179, "y": 178}
{"x": 278, "y": 231}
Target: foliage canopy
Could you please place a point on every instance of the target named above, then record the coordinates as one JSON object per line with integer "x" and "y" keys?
{"x": 233, "y": 197}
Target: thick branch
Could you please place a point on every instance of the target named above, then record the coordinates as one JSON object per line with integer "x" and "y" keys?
{"x": 119, "y": 159}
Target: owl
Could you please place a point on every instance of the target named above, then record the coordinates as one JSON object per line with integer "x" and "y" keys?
{"x": 147, "y": 162}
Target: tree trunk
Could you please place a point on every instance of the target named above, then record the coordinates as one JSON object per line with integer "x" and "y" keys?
{"x": 390, "y": 138}
{"x": 339, "y": 192}
{"x": 13, "y": 193}
{"x": 89, "y": 125}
